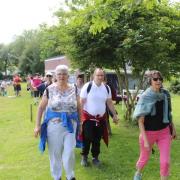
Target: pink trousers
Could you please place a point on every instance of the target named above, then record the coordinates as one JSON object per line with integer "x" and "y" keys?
{"x": 163, "y": 140}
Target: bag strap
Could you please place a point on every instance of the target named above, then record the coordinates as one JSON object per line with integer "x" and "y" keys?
{"x": 76, "y": 89}
{"x": 90, "y": 85}
{"x": 107, "y": 88}
{"x": 47, "y": 92}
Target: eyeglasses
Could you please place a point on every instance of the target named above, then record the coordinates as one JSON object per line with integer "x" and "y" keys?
{"x": 62, "y": 74}
{"x": 48, "y": 76}
{"x": 156, "y": 79}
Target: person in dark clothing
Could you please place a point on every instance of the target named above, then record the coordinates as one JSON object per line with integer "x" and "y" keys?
{"x": 79, "y": 82}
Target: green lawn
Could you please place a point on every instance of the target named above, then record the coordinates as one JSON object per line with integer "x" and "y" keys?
{"x": 20, "y": 158}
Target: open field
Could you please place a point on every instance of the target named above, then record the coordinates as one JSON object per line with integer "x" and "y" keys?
{"x": 20, "y": 158}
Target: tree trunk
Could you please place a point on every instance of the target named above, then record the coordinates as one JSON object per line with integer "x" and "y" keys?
{"x": 118, "y": 72}
{"x": 5, "y": 67}
{"x": 131, "y": 100}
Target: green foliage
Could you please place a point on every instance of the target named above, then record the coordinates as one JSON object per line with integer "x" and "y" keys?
{"x": 1, "y": 76}
{"x": 175, "y": 87}
{"x": 6, "y": 60}
{"x": 29, "y": 56}
{"x": 49, "y": 42}
{"x": 29, "y": 50}
{"x": 114, "y": 34}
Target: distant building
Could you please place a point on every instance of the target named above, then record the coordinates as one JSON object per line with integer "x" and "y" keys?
{"x": 51, "y": 63}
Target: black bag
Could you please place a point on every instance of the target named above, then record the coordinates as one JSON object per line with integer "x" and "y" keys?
{"x": 171, "y": 128}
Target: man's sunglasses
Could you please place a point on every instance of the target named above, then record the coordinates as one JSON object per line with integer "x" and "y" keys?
{"x": 48, "y": 76}
{"x": 156, "y": 79}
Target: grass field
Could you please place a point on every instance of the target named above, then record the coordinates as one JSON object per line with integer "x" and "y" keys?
{"x": 20, "y": 158}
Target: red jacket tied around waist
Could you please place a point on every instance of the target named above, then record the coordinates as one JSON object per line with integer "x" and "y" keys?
{"x": 100, "y": 120}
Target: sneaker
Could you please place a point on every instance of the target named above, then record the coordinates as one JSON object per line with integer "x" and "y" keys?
{"x": 72, "y": 178}
{"x": 96, "y": 161}
{"x": 84, "y": 161}
{"x": 137, "y": 176}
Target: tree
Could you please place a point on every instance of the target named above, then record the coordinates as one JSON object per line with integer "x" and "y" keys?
{"x": 5, "y": 58}
{"x": 49, "y": 42}
{"x": 32, "y": 47}
{"x": 26, "y": 50}
{"x": 115, "y": 33}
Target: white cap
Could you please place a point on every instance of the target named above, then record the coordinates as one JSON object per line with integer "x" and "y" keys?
{"x": 61, "y": 68}
{"x": 49, "y": 73}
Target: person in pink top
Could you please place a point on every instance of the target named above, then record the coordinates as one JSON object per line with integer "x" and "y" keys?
{"x": 17, "y": 84}
{"x": 36, "y": 81}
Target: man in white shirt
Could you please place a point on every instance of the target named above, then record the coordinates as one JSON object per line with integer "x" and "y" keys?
{"x": 93, "y": 97}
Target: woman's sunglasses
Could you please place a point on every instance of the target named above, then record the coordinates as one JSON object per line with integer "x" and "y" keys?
{"x": 156, "y": 79}
{"x": 48, "y": 76}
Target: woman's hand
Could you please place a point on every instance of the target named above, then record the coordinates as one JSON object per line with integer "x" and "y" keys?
{"x": 37, "y": 130}
{"x": 42, "y": 106}
{"x": 115, "y": 119}
{"x": 147, "y": 145}
{"x": 174, "y": 135}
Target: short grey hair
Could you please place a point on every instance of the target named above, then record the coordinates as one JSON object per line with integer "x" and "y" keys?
{"x": 61, "y": 68}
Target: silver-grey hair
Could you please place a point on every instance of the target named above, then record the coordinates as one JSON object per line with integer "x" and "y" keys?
{"x": 61, "y": 68}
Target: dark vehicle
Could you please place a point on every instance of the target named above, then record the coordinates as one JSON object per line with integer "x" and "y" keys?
{"x": 112, "y": 81}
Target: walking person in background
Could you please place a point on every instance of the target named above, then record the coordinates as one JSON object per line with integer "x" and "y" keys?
{"x": 41, "y": 87}
{"x": 3, "y": 87}
{"x": 93, "y": 98}
{"x": 79, "y": 82}
{"x": 60, "y": 103}
{"x": 17, "y": 84}
{"x": 36, "y": 81}
{"x": 153, "y": 112}
{"x": 29, "y": 82}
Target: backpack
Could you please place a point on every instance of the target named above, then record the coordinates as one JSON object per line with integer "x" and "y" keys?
{"x": 90, "y": 85}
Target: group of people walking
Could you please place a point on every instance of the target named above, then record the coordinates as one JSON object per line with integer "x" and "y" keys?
{"x": 72, "y": 111}
{"x": 16, "y": 82}
{"x": 37, "y": 85}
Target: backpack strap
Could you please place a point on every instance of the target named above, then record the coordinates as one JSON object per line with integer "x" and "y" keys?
{"x": 47, "y": 92}
{"x": 46, "y": 84}
{"x": 76, "y": 89}
{"x": 90, "y": 85}
{"x": 107, "y": 88}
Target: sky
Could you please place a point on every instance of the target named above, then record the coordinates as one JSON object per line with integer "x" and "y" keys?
{"x": 19, "y": 15}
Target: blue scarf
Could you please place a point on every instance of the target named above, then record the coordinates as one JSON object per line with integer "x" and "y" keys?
{"x": 66, "y": 122}
{"x": 146, "y": 104}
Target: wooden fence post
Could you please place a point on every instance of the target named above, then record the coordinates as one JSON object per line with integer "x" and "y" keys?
{"x": 31, "y": 113}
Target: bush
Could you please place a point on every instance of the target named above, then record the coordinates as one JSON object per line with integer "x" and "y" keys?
{"x": 175, "y": 87}
{"x": 1, "y": 76}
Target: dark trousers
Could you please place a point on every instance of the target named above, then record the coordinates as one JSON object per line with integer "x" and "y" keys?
{"x": 92, "y": 134}
{"x": 36, "y": 93}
